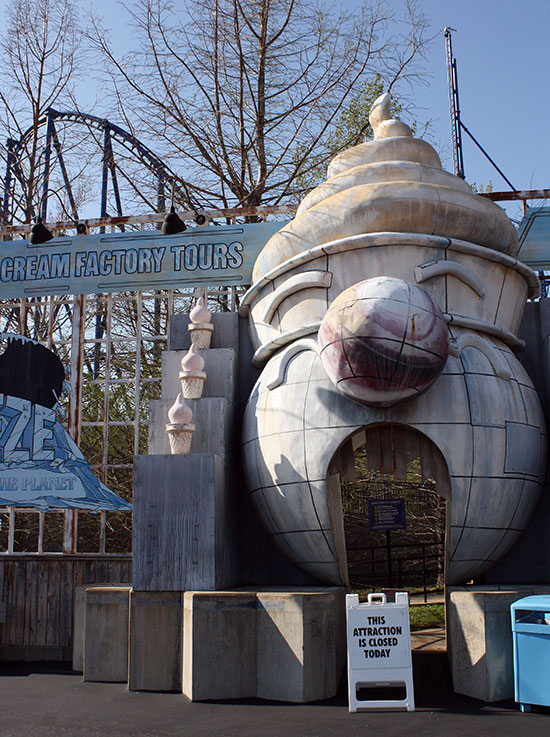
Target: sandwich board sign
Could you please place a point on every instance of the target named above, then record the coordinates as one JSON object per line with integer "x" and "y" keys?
{"x": 379, "y": 653}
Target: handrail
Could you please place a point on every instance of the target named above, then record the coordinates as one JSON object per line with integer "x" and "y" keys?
{"x": 522, "y": 194}
{"x": 261, "y": 211}
{"x": 230, "y": 212}
{"x": 373, "y": 566}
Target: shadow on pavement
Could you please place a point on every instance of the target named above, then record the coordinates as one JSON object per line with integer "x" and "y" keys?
{"x": 21, "y": 669}
{"x": 432, "y": 684}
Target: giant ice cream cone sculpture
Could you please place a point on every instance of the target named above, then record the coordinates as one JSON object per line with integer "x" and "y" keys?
{"x": 391, "y": 303}
{"x": 192, "y": 376}
{"x": 180, "y": 428}
{"x": 200, "y": 327}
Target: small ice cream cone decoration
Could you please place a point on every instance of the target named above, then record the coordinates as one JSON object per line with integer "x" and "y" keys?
{"x": 200, "y": 327}
{"x": 192, "y": 376}
{"x": 179, "y": 428}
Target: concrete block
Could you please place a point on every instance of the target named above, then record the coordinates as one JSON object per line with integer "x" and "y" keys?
{"x": 300, "y": 644}
{"x": 79, "y": 619}
{"x": 219, "y": 659}
{"x": 156, "y": 641}
{"x": 220, "y": 368}
{"x": 479, "y": 639}
{"x": 212, "y": 420}
{"x": 282, "y": 645}
{"x": 225, "y": 335}
{"x": 184, "y": 530}
{"x": 106, "y": 634}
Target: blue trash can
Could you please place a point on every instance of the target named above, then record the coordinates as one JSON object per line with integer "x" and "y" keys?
{"x": 531, "y": 638}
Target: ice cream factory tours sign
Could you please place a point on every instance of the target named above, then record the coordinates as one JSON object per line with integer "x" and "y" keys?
{"x": 85, "y": 264}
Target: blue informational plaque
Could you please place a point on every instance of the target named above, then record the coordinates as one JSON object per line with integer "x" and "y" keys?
{"x": 387, "y": 514}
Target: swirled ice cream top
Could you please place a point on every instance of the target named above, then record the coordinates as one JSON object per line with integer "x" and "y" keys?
{"x": 394, "y": 183}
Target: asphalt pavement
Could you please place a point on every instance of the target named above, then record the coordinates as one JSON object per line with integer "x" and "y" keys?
{"x": 50, "y": 700}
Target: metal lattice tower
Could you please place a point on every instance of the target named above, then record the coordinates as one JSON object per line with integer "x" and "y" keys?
{"x": 456, "y": 132}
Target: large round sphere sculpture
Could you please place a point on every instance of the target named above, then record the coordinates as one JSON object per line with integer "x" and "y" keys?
{"x": 383, "y": 340}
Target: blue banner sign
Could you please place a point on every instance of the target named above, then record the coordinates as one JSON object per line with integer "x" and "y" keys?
{"x": 40, "y": 464}
{"x": 141, "y": 260}
{"x": 387, "y": 514}
{"x": 42, "y": 467}
{"x": 534, "y": 238}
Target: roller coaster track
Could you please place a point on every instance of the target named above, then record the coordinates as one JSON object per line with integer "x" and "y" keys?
{"x": 166, "y": 178}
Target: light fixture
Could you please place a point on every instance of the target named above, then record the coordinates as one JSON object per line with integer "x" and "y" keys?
{"x": 39, "y": 233}
{"x": 172, "y": 223}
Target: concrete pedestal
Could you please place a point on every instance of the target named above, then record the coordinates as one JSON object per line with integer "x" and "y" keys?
{"x": 156, "y": 641}
{"x": 219, "y": 656}
{"x": 211, "y": 417}
{"x": 286, "y": 644}
{"x": 283, "y": 645}
{"x": 183, "y": 524}
{"x": 220, "y": 369}
{"x": 479, "y": 639}
{"x": 79, "y": 619}
{"x": 106, "y": 634}
{"x": 225, "y": 335}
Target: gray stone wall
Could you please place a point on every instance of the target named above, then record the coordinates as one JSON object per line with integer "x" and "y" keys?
{"x": 528, "y": 561}
{"x": 261, "y": 563}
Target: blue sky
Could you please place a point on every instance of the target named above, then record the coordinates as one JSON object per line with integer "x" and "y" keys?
{"x": 501, "y": 52}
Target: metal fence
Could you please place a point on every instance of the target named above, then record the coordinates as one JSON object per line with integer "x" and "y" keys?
{"x": 416, "y": 565}
{"x": 112, "y": 345}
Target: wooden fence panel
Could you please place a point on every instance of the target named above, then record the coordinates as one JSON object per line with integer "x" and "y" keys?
{"x": 37, "y": 599}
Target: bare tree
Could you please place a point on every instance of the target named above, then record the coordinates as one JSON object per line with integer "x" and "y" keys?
{"x": 39, "y": 55}
{"x": 231, "y": 90}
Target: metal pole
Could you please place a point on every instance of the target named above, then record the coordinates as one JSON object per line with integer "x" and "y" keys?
{"x": 41, "y": 518}
{"x": 66, "y": 179}
{"x": 456, "y": 133}
{"x": 424, "y": 582}
{"x": 77, "y": 352}
{"x": 73, "y": 424}
{"x": 388, "y": 555}
{"x": 480, "y": 147}
{"x": 107, "y": 385}
{"x": 47, "y": 157}
{"x": 104, "y": 176}
{"x": 110, "y": 157}
{"x": 7, "y": 180}
{"x": 75, "y": 403}
{"x": 161, "y": 197}
{"x": 11, "y": 530}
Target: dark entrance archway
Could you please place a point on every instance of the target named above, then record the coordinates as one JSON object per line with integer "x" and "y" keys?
{"x": 392, "y": 476}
